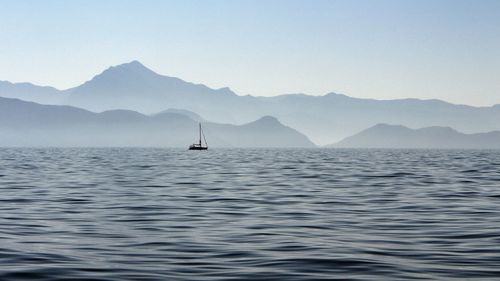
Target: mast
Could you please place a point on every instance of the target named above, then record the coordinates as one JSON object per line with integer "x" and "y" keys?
{"x": 200, "y": 133}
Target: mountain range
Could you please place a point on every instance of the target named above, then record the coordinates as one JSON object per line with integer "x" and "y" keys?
{"x": 397, "y": 136}
{"x": 30, "y": 124}
{"x": 325, "y": 119}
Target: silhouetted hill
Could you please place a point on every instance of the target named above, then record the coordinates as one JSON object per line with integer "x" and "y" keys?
{"x": 18, "y": 114}
{"x": 30, "y": 124}
{"x": 190, "y": 114}
{"x": 397, "y": 136}
{"x": 266, "y": 130}
{"x": 325, "y": 119}
{"x": 135, "y": 87}
{"x": 30, "y": 92}
{"x": 121, "y": 116}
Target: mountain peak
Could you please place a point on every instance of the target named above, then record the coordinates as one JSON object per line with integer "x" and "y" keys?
{"x": 183, "y": 112}
{"x": 134, "y": 66}
{"x": 134, "y": 63}
{"x": 387, "y": 126}
{"x": 268, "y": 119}
{"x": 124, "y": 75}
{"x": 335, "y": 95}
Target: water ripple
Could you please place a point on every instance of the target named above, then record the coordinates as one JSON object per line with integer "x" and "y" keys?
{"x": 249, "y": 214}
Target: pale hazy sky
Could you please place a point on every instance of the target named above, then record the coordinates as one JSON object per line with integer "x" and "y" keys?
{"x": 384, "y": 49}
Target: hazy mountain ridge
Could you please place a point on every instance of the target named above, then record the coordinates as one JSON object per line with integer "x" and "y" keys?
{"x": 30, "y": 124}
{"x": 30, "y": 92}
{"x": 325, "y": 118}
{"x": 190, "y": 114}
{"x": 135, "y": 87}
{"x": 397, "y": 136}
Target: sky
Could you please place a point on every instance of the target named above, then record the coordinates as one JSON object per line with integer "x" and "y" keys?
{"x": 384, "y": 49}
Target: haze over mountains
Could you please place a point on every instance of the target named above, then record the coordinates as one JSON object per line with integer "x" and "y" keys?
{"x": 325, "y": 119}
{"x": 31, "y": 124}
{"x": 397, "y": 136}
{"x": 30, "y": 92}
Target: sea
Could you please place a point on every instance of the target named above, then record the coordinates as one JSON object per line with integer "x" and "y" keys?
{"x": 249, "y": 214}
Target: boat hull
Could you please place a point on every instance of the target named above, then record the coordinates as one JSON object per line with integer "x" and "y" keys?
{"x": 198, "y": 148}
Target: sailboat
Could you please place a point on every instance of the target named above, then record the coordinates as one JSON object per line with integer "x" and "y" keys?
{"x": 199, "y": 146}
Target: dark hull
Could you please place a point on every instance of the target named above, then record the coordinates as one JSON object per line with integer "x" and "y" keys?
{"x": 198, "y": 148}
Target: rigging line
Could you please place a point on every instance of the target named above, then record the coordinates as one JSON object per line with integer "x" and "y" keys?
{"x": 203, "y": 133}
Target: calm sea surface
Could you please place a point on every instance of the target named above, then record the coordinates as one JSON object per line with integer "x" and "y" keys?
{"x": 261, "y": 214}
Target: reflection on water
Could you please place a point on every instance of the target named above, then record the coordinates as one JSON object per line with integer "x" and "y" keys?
{"x": 283, "y": 214}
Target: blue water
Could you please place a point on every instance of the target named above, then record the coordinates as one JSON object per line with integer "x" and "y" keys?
{"x": 258, "y": 214}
